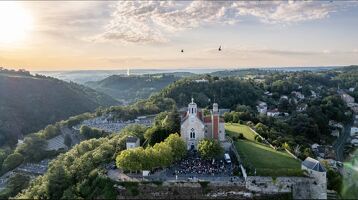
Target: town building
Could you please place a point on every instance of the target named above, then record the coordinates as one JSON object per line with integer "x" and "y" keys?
{"x": 284, "y": 97}
{"x": 301, "y": 107}
{"x": 354, "y": 142}
{"x": 335, "y": 133}
{"x": 313, "y": 94}
{"x": 347, "y": 98}
{"x": 267, "y": 93}
{"x": 262, "y": 107}
{"x": 299, "y": 95}
{"x": 273, "y": 113}
{"x": 354, "y": 131}
{"x": 195, "y": 126}
{"x": 201, "y": 80}
{"x": 318, "y": 172}
{"x": 334, "y": 124}
{"x": 132, "y": 142}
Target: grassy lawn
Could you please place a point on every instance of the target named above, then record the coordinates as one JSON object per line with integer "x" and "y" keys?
{"x": 234, "y": 128}
{"x": 266, "y": 161}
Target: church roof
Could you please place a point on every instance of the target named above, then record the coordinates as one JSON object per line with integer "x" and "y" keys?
{"x": 313, "y": 164}
{"x": 198, "y": 114}
{"x": 207, "y": 119}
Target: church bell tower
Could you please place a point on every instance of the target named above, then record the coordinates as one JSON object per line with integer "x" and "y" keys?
{"x": 192, "y": 108}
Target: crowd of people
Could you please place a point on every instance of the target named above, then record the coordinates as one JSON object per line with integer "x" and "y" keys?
{"x": 194, "y": 165}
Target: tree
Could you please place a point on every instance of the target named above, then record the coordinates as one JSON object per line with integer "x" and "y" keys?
{"x": 3, "y": 156}
{"x": 33, "y": 148}
{"x": 14, "y": 185}
{"x": 51, "y": 131}
{"x": 131, "y": 159}
{"x": 209, "y": 148}
{"x": 165, "y": 153}
{"x": 156, "y": 134}
{"x": 307, "y": 152}
{"x": 283, "y": 105}
{"x": 262, "y": 129}
{"x": 171, "y": 122}
{"x": 165, "y": 124}
{"x": 228, "y": 117}
{"x": 12, "y": 161}
{"x": 89, "y": 132}
{"x": 335, "y": 180}
{"x": 58, "y": 182}
{"x": 136, "y": 130}
{"x": 286, "y": 146}
{"x": 177, "y": 145}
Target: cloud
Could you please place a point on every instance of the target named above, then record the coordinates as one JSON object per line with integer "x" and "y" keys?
{"x": 259, "y": 50}
{"x": 156, "y": 21}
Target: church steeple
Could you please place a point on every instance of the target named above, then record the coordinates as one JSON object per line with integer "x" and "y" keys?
{"x": 215, "y": 108}
{"x": 192, "y": 108}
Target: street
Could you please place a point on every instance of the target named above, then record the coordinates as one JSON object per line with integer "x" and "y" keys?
{"x": 339, "y": 144}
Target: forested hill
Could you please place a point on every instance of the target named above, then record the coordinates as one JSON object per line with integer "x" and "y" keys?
{"x": 131, "y": 88}
{"x": 29, "y": 103}
{"x": 228, "y": 91}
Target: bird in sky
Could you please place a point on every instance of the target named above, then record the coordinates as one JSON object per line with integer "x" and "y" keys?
{"x": 219, "y": 48}
{"x": 182, "y": 50}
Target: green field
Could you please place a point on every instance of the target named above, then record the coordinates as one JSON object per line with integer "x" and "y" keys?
{"x": 266, "y": 161}
{"x": 232, "y": 129}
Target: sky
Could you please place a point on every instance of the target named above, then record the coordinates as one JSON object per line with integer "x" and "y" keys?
{"x": 99, "y": 35}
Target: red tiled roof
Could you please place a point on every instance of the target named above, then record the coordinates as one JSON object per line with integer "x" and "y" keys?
{"x": 207, "y": 119}
{"x": 199, "y": 115}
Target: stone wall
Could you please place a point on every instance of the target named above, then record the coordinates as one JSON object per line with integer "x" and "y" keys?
{"x": 301, "y": 187}
{"x": 193, "y": 190}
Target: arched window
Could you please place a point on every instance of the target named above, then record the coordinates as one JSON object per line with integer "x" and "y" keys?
{"x": 192, "y": 134}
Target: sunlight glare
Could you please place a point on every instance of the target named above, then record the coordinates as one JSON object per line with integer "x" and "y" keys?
{"x": 15, "y": 22}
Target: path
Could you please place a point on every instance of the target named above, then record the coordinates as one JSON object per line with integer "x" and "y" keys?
{"x": 339, "y": 144}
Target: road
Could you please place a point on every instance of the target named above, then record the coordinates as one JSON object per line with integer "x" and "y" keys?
{"x": 339, "y": 144}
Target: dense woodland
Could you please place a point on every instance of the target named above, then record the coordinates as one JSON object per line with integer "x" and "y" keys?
{"x": 28, "y": 103}
{"x": 227, "y": 91}
{"x": 134, "y": 87}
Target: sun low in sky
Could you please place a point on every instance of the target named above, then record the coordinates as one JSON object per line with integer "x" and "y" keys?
{"x": 70, "y": 35}
{"x": 15, "y": 22}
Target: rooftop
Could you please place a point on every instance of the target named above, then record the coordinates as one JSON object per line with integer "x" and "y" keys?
{"x": 313, "y": 164}
{"x": 132, "y": 139}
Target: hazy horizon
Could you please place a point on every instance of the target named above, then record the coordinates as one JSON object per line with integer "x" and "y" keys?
{"x": 48, "y": 35}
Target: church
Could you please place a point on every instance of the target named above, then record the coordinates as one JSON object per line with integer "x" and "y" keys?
{"x": 195, "y": 126}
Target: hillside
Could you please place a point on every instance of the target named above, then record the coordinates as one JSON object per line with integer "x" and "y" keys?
{"x": 28, "y": 103}
{"x": 228, "y": 91}
{"x": 131, "y": 88}
{"x": 251, "y": 152}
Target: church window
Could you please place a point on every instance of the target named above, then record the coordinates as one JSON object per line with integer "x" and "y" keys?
{"x": 192, "y": 134}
